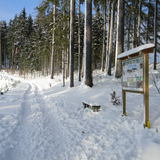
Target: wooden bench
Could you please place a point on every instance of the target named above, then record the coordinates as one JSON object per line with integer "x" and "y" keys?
{"x": 93, "y": 107}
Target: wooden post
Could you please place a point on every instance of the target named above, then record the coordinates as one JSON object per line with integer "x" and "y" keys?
{"x": 146, "y": 89}
{"x": 124, "y": 102}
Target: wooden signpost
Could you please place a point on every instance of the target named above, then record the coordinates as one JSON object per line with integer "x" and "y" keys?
{"x": 135, "y": 75}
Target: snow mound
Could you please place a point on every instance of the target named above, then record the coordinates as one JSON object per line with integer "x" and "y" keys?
{"x": 6, "y": 83}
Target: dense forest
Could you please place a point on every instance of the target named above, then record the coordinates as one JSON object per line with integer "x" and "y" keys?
{"x": 78, "y": 36}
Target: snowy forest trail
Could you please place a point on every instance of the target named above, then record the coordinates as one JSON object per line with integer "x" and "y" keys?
{"x": 29, "y": 130}
{"x": 51, "y": 131}
{"x": 53, "y": 125}
{"x": 35, "y": 134}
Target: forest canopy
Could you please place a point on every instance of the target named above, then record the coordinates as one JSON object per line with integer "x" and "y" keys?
{"x": 64, "y": 33}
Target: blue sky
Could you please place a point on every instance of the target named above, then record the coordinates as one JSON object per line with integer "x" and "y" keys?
{"x": 8, "y": 8}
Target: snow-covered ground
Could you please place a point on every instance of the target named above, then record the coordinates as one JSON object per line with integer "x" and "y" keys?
{"x": 41, "y": 120}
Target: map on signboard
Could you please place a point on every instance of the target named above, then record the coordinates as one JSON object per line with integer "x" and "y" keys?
{"x": 133, "y": 73}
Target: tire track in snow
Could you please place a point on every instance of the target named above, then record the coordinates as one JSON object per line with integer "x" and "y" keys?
{"x": 39, "y": 134}
{"x": 12, "y": 138}
{"x": 55, "y": 140}
{"x": 29, "y": 130}
{"x": 70, "y": 131}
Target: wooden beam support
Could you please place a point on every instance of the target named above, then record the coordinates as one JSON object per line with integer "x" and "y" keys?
{"x": 124, "y": 102}
{"x": 146, "y": 90}
{"x": 133, "y": 91}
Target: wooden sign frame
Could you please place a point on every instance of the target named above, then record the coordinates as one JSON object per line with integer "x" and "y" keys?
{"x": 144, "y": 51}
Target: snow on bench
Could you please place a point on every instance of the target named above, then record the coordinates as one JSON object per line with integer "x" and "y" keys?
{"x": 134, "y": 51}
{"x": 93, "y": 106}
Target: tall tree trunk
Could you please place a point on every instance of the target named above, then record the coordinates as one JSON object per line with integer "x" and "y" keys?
{"x": 63, "y": 67}
{"x": 72, "y": 21}
{"x": 135, "y": 30}
{"x": 88, "y": 44}
{"x": 128, "y": 33}
{"x": 4, "y": 46}
{"x": 68, "y": 48}
{"x": 65, "y": 46}
{"x": 155, "y": 34}
{"x": 13, "y": 54}
{"x": 139, "y": 22}
{"x": 111, "y": 39}
{"x": 79, "y": 41}
{"x": 67, "y": 63}
{"x": 104, "y": 37}
{"x": 108, "y": 36}
{"x": 148, "y": 21}
{"x": 0, "y": 48}
{"x": 5, "y": 52}
{"x": 119, "y": 38}
{"x": 53, "y": 42}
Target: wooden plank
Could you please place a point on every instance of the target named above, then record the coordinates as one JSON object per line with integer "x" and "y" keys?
{"x": 133, "y": 91}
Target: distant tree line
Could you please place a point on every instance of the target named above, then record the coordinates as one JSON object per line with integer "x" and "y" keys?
{"x": 78, "y": 35}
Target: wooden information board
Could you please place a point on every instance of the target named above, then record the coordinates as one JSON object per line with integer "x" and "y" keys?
{"x": 132, "y": 77}
{"x": 135, "y": 75}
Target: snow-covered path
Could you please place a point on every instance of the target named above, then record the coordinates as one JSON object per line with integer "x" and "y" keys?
{"x": 30, "y": 134}
{"x": 39, "y": 135}
{"x": 29, "y": 130}
{"x": 53, "y": 125}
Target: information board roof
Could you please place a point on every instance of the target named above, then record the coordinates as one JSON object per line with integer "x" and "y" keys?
{"x": 144, "y": 48}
